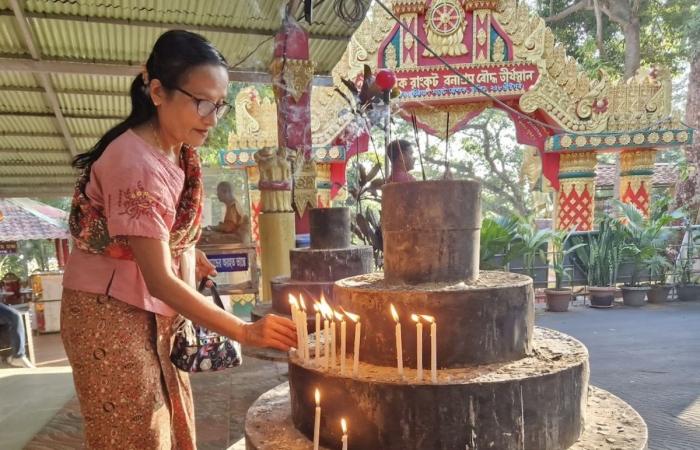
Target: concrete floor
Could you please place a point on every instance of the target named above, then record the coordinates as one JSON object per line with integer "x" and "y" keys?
{"x": 648, "y": 356}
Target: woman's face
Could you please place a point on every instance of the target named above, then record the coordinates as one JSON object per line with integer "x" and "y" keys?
{"x": 177, "y": 112}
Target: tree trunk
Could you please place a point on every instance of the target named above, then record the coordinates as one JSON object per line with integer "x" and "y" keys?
{"x": 688, "y": 191}
{"x": 632, "y": 46}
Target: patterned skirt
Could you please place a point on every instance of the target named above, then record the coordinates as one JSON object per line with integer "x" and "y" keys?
{"x": 131, "y": 396}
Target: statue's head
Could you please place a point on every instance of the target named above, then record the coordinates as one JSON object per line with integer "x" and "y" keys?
{"x": 400, "y": 153}
{"x": 224, "y": 192}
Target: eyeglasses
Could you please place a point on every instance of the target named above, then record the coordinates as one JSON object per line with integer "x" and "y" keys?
{"x": 206, "y": 107}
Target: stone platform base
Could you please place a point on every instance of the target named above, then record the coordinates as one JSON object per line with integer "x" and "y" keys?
{"x": 610, "y": 423}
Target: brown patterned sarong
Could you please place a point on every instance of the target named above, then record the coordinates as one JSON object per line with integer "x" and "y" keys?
{"x": 131, "y": 396}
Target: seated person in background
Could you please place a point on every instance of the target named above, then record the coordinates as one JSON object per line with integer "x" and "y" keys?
{"x": 11, "y": 317}
{"x": 400, "y": 153}
{"x": 235, "y": 220}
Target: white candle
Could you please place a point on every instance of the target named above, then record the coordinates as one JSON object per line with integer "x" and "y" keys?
{"x": 433, "y": 348}
{"x": 343, "y": 338}
{"x": 327, "y": 341}
{"x": 317, "y": 336}
{"x": 356, "y": 354}
{"x": 304, "y": 330}
{"x": 344, "y": 440}
{"x": 399, "y": 345}
{"x": 317, "y": 419}
{"x": 333, "y": 339}
{"x": 295, "y": 319}
{"x": 419, "y": 347}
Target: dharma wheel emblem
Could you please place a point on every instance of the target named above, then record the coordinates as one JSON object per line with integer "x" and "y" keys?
{"x": 445, "y": 17}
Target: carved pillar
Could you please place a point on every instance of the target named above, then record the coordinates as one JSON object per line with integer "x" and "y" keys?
{"x": 636, "y": 171}
{"x": 292, "y": 72}
{"x": 575, "y": 199}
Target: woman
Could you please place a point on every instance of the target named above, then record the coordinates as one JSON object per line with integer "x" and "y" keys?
{"x": 135, "y": 220}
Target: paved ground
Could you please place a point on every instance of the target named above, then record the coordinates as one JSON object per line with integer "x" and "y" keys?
{"x": 650, "y": 357}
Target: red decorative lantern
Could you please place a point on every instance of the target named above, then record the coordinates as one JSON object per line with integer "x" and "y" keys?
{"x": 385, "y": 79}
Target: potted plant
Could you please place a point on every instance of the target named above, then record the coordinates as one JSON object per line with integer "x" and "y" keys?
{"x": 643, "y": 236}
{"x": 601, "y": 259}
{"x": 659, "y": 268}
{"x": 688, "y": 287}
{"x": 558, "y": 299}
{"x": 530, "y": 244}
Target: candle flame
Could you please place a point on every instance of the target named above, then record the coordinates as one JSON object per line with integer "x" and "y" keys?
{"x": 326, "y": 309}
{"x": 429, "y": 319}
{"x": 338, "y": 316}
{"x": 317, "y": 307}
{"x": 351, "y": 316}
{"x": 415, "y": 318}
{"x": 293, "y": 300}
{"x": 394, "y": 314}
{"x": 344, "y": 425}
{"x": 302, "y": 303}
{"x": 317, "y": 396}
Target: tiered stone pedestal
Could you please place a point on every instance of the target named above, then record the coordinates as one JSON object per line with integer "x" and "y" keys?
{"x": 269, "y": 425}
{"x": 314, "y": 270}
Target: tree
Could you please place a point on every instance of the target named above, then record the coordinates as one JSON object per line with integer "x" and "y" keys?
{"x": 688, "y": 189}
{"x": 485, "y": 150}
{"x": 620, "y": 35}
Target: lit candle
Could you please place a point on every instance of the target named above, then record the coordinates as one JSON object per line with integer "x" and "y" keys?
{"x": 317, "y": 336}
{"x": 399, "y": 345}
{"x": 295, "y": 318}
{"x": 336, "y": 317}
{"x": 433, "y": 347}
{"x": 356, "y": 354}
{"x": 344, "y": 440}
{"x": 327, "y": 314}
{"x": 317, "y": 419}
{"x": 343, "y": 339}
{"x": 419, "y": 347}
{"x": 304, "y": 331}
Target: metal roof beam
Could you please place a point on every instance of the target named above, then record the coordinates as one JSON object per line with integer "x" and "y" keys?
{"x": 167, "y": 26}
{"x": 65, "y": 116}
{"x": 43, "y": 78}
{"x": 26, "y": 65}
{"x": 14, "y": 134}
{"x": 32, "y": 89}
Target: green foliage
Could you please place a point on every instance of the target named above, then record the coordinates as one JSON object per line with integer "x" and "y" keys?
{"x": 602, "y": 255}
{"x": 496, "y": 234}
{"x": 559, "y": 252}
{"x": 31, "y": 256}
{"x": 530, "y": 243}
{"x": 645, "y": 238}
{"x": 668, "y": 29}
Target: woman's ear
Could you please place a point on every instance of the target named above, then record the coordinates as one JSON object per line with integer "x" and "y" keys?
{"x": 156, "y": 92}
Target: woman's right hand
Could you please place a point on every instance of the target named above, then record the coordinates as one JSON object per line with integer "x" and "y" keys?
{"x": 271, "y": 331}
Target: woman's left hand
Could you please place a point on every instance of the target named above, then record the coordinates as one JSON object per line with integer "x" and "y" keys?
{"x": 203, "y": 267}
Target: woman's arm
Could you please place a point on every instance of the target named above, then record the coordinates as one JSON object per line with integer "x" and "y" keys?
{"x": 153, "y": 258}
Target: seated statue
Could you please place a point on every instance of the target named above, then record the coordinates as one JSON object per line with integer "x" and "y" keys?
{"x": 236, "y": 224}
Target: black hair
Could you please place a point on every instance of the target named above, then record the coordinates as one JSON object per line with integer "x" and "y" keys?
{"x": 396, "y": 148}
{"x": 174, "y": 54}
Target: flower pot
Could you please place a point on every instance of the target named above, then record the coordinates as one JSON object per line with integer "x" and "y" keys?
{"x": 688, "y": 292}
{"x": 634, "y": 295}
{"x": 659, "y": 293}
{"x": 602, "y": 296}
{"x": 558, "y": 299}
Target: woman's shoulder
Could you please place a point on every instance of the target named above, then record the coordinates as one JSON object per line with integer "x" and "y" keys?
{"x": 126, "y": 153}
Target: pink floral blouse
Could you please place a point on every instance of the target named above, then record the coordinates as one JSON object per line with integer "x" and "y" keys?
{"x": 138, "y": 188}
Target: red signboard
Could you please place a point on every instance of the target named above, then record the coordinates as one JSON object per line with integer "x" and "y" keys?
{"x": 503, "y": 80}
{"x": 8, "y": 248}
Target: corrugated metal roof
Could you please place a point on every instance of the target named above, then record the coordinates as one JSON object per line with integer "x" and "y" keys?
{"x": 119, "y": 33}
{"x": 23, "y": 219}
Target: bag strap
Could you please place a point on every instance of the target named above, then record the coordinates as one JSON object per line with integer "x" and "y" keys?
{"x": 214, "y": 291}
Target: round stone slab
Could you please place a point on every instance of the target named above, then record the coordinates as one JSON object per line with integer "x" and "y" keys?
{"x": 488, "y": 320}
{"x": 269, "y": 424}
